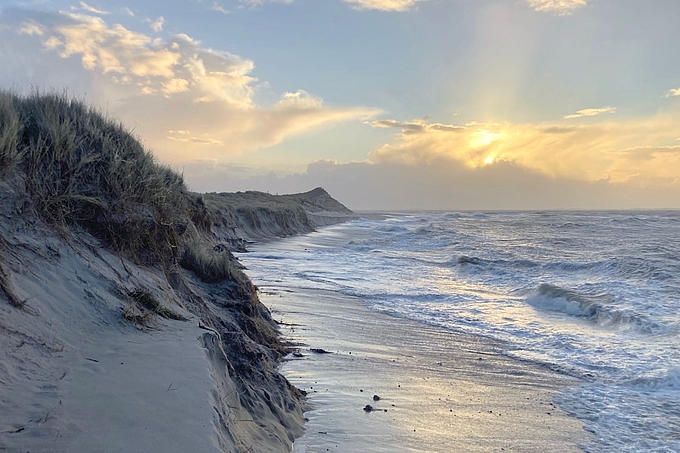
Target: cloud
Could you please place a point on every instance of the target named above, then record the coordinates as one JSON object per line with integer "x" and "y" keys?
{"x": 187, "y": 137}
{"x": 128, "y": 11}
{"x": 219, "y": 8}
{"x": 92, "y": 9}
{"x": 299, "y": 100}
{"x": 157, "y": 25}
{"x": 159, "y": 84}
{"x": 415, "y": 126}
{"x": 216, "y": 5}
{"x": 383, "y": 5}
{"x": 31, "y": 28}
{"x": 559, "y": 7}
{"x": 591, "y": 112}
{"x": 673, "y": 92}
{"x": 257, "y": 3}
{"x": 111, "y": 49}
{"x": 379, "y": 5}
{"x": 176, "y": 85}
{"x": 633, "y": 151}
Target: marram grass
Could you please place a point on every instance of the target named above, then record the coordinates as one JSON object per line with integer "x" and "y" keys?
{"x": 81, "y": 167}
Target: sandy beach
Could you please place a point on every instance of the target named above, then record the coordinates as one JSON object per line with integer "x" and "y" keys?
{"x": 439, "y": 391}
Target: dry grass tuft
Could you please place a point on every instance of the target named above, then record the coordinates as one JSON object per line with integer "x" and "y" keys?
{"x": 144, "y": 298}
{"x": 212, "y": 264}
{"x": 142, "y": 319}
{"x": 10, "y": 128}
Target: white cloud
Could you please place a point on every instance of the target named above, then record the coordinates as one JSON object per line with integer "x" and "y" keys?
{"x": 591, "y": 112}
{"x": 159, "y": 84}
{"x": 216, "y": 5}
{"x": 673, "y": 92}
{"x": 31, "y": 28}
{"x": 383, "y": 5}
{"x": 559, "y": 7}
{"x": 299, "y": 100}
{"x": 111, "y": 49}
{"x": 219, "y": 8}
{"x": 379, "y": 5}
{"x": 257, "y": 3}
{"x": 129, "y": 12}
{"x": 157, "y": 25}
{"x": 92, "y": 9}
{"x": 187, "y": 137}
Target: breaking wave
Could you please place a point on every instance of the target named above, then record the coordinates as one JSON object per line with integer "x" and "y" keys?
{"x": 598, "y": 308}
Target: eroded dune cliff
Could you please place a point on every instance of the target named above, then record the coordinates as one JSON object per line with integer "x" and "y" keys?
{"x": 126, "y": 324}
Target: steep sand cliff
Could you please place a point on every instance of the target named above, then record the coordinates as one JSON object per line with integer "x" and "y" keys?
{"x": 247, "y": 216}
{"x": 126, "y": 323}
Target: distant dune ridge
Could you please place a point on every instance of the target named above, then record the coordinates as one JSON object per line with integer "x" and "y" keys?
{"x": 126, "y": 324}
{"x": 241, "y": 216}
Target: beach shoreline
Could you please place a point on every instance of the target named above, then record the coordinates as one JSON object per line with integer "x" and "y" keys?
{"x": 438, "y": 390}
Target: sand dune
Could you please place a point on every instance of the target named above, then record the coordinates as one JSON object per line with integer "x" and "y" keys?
{"x": 126, "y": 324}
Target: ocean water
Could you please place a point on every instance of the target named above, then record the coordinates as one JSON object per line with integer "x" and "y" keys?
{"x": 595, "y": 295}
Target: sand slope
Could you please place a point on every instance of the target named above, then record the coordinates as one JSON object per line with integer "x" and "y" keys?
{"x": 76, "y": 376}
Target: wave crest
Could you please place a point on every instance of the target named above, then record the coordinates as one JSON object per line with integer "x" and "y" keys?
{"x": 598, "y": 308}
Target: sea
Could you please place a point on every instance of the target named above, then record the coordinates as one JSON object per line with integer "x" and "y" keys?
{"x": 594, "y": 295}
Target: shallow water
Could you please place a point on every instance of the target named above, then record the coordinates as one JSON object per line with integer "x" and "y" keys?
{"x": 591, "y": 294}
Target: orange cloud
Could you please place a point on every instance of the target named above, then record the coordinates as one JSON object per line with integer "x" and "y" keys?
{"x": 634, "y": 151}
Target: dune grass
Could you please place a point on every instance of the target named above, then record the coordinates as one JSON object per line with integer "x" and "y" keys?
{"x": 10, "y": 128}
{"x": 81, "y": 167}
{"x": 212, "y": 264}
{"x": 147, "y": 300}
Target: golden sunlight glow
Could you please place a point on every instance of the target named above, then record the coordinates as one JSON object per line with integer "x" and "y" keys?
{"x": 642, "y": 152}
{"x": 490, "y": 159}
{"x": 483, "y": 138}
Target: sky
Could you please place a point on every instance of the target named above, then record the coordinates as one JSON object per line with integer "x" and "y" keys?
{"x": 387, "y": 104}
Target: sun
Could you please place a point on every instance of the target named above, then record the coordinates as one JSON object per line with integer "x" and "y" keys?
{"x": 483, "y": 138}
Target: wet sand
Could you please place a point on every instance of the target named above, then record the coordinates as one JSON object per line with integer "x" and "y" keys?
{"x": 439, "y": 391}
